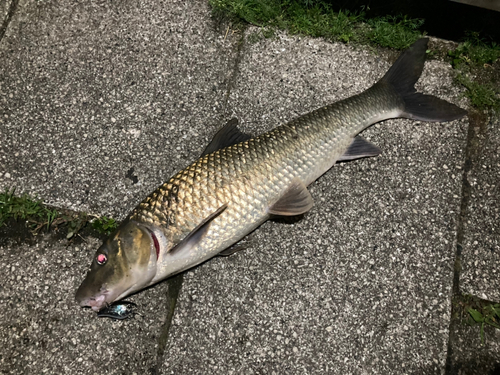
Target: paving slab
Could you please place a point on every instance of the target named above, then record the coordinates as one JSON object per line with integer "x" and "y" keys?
{"x": 360, "y": 285}
{"x": 480, "y": 275}
{"x": 44, "y": 332}
{"x": 100, "y": 102}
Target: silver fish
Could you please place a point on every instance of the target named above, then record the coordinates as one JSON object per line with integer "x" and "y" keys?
{"x": 239, "y": 183}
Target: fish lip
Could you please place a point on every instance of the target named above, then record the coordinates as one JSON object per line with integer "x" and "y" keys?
{"x": 97, "y": 301}
{"x": 100, "y": 300}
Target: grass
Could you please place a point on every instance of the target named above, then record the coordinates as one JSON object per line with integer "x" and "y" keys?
{"x": 482, "y": 96}
{"x": 394, "y": 32}
{"x": 104, "y": 225}
{"x": 25, "y": 208}
{"x": 480, "y": 312}
{"x": 474, "y": 52}
{"x": 38, "y": 216}
{"x": 476, "y": 57}
{"x": 317, "y": 19}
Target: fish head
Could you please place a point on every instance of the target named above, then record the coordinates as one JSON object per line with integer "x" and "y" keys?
{"x": 124, "y": 264}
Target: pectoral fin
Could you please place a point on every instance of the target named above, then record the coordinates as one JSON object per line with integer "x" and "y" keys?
{"x": 360, "y": 148}
{"x": 229, "y": 135}
{"x": 295, "y": 201}
{"x": 197, "y": 233}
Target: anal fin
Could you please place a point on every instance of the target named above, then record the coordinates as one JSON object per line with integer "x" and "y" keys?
{"x": 360, "y": 148}
{"x": 295, "y": 201}
{"x": 233, "y": 249}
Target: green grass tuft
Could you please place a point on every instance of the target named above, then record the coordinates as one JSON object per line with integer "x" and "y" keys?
{"x": 397, "y": 32}
{"x": 25, "y": 208}
{"x": 257, "y": 12}
{"x": 317, "y": 19}
{"x": 38, "y": 216}
{"x": 474, "y": 52}
{"x": 320, "y": 21}
{"x": 474, "y": 58}
{"x": 104, "y": 225}
{"x": 483, "y": 97}
{"x": 479, "y": 312}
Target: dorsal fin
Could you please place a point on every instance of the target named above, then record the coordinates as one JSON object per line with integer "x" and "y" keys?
{"x": 229, "y": 135}
{"x": 295, "y": 201}
{"x": 197, "y": 233}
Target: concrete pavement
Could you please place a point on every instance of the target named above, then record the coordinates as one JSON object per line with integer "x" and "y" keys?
{"x": 100, "y": 103}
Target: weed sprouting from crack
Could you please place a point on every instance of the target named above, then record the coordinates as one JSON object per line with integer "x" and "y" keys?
{"x": 476, "y": 311}
{"x": 23, "y": 207}
{"x": 474, "y": 52}
{"x": 39, "y": 216}
{"x": 104, "y": 225}
{"x": 482, "y": 96}
{"x": 473, "y": 61}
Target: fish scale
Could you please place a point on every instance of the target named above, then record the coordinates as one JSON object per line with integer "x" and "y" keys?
{"x": 227, "y": 193}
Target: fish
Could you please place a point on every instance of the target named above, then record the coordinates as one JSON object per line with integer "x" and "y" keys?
{"x": 240, "y": 181}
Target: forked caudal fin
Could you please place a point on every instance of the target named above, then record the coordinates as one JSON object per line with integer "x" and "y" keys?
{"x": 402, "y": 77}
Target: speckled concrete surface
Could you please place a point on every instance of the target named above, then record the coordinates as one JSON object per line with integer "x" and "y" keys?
{"x": 43, "y": 331}
{"x": 102, "y": 102}
{"x": 361, "y": 284}
{"x": 4, "y": 10}
{"x": 480, "y": 274}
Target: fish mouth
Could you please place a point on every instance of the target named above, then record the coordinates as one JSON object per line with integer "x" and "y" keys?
{"x": 96, "y": 302}
{"x": 103, "y": 299}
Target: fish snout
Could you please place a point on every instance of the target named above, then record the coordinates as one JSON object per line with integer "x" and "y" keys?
{"x": 96, "y": 302}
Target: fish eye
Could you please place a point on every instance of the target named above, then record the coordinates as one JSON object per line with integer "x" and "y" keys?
{"x": 101, "y": 259}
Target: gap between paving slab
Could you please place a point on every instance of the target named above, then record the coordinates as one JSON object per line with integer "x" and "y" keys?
{"x": 7, "y": 10}
{"x": 480, "y": 272}
{"x": 476, "y": 264}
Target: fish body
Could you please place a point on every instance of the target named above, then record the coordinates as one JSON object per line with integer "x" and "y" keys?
{"x": 251, "y": 176}
{"x": 239, "y": 183}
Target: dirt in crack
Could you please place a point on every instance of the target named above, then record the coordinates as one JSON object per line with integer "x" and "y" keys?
{"x": 478, "y": 122}
{"x": 174, "y": 285}
{"x": 8, "y": 18}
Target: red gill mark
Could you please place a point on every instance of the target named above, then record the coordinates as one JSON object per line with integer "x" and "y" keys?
{"x": 157, "y": 244}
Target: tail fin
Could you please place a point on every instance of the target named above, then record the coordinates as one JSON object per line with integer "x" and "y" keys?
{"x": 402, "y": 77}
